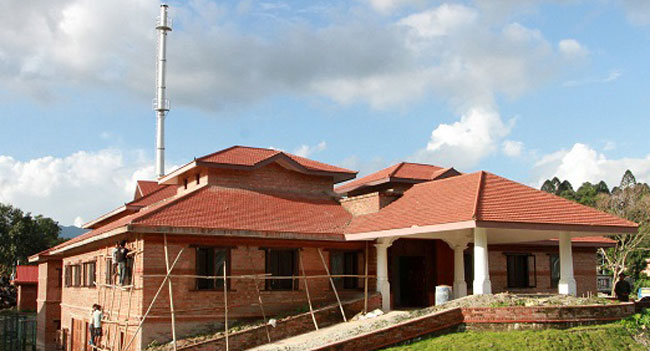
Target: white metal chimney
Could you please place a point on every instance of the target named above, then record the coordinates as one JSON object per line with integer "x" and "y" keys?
{"x": 161, "y": 104}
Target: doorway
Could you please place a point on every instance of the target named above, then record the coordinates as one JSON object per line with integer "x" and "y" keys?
{"x": 412, "y": 281}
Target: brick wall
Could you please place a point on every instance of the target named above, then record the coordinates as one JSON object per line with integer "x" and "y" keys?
{"x": 271, "y": 177}
{"x": 48, "y": 299}
{"x": 202, "y": 310}
{"x": 584, "y": 269}
{"x": 76, "y": 302}
{"x": 367, "y": 203}
{"x": 27, "y": 297}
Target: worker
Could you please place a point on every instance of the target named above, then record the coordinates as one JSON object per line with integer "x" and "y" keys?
{"x": 120, "y": 257}
{"x": 622, "y": 288}
{"x": 96, "y": 325}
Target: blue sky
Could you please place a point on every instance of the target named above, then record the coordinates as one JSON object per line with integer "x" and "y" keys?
{"x": 525, "y": 89}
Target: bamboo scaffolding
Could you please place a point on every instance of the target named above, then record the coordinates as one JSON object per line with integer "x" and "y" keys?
{"x": 365, "y": 282}
{"x": 135, "y": 334}
{"x": 320, "y": 253}
{"x": 266, "y": 276}
{"x": 225, "y": 302}
{"x": 171, "y": 296}
{"x": 259, "y": 298}
{"x": 311, "y": 308}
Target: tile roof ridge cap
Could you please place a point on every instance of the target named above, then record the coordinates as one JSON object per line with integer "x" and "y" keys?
{"x": 478, "y": 195}
{"x": 164, "y": 203}
{"x": 394, "y": 171}
{"x": 161, "y": 188}
{"x": 215, "y": 153}
{"x": 443, "y": 180}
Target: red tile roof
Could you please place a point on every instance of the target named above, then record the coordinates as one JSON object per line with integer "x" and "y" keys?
{"x": 252, "y": 156}
{"x": 403, "y": 171}
{"x": 240, "y": 209}
{"x": 26, "y": 275}
{"x": 146, "y": 187}
{"x": 160, "y": 193}
{"x": 483, "y": 197}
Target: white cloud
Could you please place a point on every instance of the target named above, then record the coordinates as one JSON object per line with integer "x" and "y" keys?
{"x": 609, "y": 145}
{"x": 306, "y": 150}
{"x": 386, "y": 6}
{"x": 572, "y": 49}
{"x": 441, "y": 20}
{"x": 464, "y": 143}
{"x": 78, "y": 222}
{"x": 637, "y": 11}
{"x": 612, "y": 76}
{"x": 81, "y": 185}
{"x": 582, "y": 163}
{"x": 512, "y": 148}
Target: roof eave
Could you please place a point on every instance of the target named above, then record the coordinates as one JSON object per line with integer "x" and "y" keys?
{"x": 586, "y": 228}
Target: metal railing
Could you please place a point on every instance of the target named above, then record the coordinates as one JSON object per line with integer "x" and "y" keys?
{"x": 18, "y": 333}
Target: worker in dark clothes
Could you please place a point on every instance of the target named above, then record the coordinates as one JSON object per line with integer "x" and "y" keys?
{"x": 622, "y": 289}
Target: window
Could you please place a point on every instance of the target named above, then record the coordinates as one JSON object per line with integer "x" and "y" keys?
{"x": 555, "y": 269}
{"x": 68, "y": 276}
{"x": 185, "y": 183}
{"x": 89, "y": 270}
{"x": 198, "y": 178}
{"x": 76, "y": 275}
{"x": 281, "y": 263}
{"x": 521, "y": 270}
{"x": 345, "y": 263}
{"x": 210, "y": 262}
{"x": 110, "y": 271}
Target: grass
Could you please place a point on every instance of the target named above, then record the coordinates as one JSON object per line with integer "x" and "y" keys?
{"x": 613, "y": 336}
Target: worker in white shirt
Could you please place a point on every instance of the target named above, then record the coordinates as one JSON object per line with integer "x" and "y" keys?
{"x": 96, "y": 325}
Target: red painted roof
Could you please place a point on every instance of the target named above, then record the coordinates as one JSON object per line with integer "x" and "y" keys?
{"x": 484, "y": 197}
{"x": 252, "y": 156}
{"x": 26, "y": 275}
{"x": 403, "y": 171}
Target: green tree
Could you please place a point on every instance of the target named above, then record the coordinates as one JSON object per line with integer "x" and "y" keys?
{"x": 633, "y": 203}
{"x": 23, "y": 235}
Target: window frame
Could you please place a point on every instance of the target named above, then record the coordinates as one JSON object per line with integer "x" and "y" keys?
{"x": 526, "y": 255}
{"x": 217, "y": 285}
{"x": 346, "y": 283}
{"x": 77, "y": 275}
{"x": 67, "y": 276}
{"x": 86, "y": 282}
{"x": 269, "y": 283}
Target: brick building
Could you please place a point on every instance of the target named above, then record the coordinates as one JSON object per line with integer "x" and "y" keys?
{"x": 26, "y": 283}
{"x": 269, "y": 213}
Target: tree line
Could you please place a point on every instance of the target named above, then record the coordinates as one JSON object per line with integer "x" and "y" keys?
{"x": 22, "y": 235}
{"x": 630, "y": 200}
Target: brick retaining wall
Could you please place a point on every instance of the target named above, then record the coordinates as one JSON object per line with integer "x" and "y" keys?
{"x": 289, "y": 327}
{"x": 481, "y": 317}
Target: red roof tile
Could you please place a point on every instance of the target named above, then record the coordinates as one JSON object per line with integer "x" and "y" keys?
{"x": 160, "y": 193}
{"x": 496, "y": 199}
{"x": 26, "y": 275}
{"x": 503, "y": 200}
{"x": 252, "y": 156}
{"x": 444, "y": 201}
{"x": 146, "y": 187}
{"x": 240, "y": 209}
{"x": 398, "y": 172}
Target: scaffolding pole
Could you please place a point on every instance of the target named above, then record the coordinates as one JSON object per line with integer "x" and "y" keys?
{"x": 311, "y": 309}
{"x": 320, "y": 253}
{"x": 171, "y": 296}
{"x": 135, "y": 334}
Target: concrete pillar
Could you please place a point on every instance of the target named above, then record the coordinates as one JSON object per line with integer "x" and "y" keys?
{"x": 460, "y": 286}
{"x": 567, "y": 283}
{"x": 482, "y": 283}
{"x": 383, "y": 286}
{"x": 459, "y": 244}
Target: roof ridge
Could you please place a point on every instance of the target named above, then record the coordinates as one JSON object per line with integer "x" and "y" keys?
{"x": 214, "y": 153}
{"x": 478, "y": 195}
{"x": 400, "y": 165}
